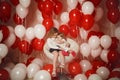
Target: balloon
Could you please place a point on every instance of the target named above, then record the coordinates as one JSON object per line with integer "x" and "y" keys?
{"x": 85, "y": 65}
{"x": 80, "y": 77}
{"x": 64, "y": 29}
{"x": 105, "y": 41}
{"x": 96, "y": 2}
{"x": 39, "y": 16}
{"x": 48, "y": 23}
{"x": 25, "y": 47}
{"x": 40, "y": 5}
{"x": 117, "y": 33}
{"x": 5, "y": 32}
{"x": 114, "y": 74}
{"x": 72, "y": 4}
{"x": 11, "y": 29}
{"x": 21, "y": 11}
{"x": 30, "y": 33}
{"x": 18, "y": 73}
{"x": 87, "y": 22}
{"x": 103, "y": 55}
{"x": 15, "y": 2}
{"x": 112, "y": 4}
{"x": 113, "y": 15}
{"x": 58, "y": 7}
{"x": 96, "y": 52}
{"x": 83, "y": 33}
{"x": 87, "y": 7}
{"x": 90, "y": 72}
{"x": 1, "y": 35}
{"x": 74, "y": 68}
{"x": 64, "y": 17}
{"x": 39, "y": 31}
{"x": 94, "y": 77}
{"x": 20, "y": 31}
{"x": 103, "y": 72}
{"x": 94, "y": 42}
{"x": 48, "y": 67}
{"x": 98, "y": 14}
{"x": 5, "y": 11}
{"x": 15, "y": 44}
{"x": 42, "y": 75}
{"x": 85, "y": 49}
{"x": 38, "y": 44}
{"x": 38, "y": 61}
{"x": 81, "y": 1}
{"x": 113, "y": 56}
{"x": 4, "y": 75}
{"x": 3, "y": 50}
{"x": 21, "y": 65}
{"x": 17, "y": 19}
{"x": 32, "y": 69}
{"x": 115, "y": 43}
{"x": 10, "y": 40}
{"x": 91, "y": 33}
{"x": 74, "y": 31}
{"x": 25, "y": 3}
{"x": 29, "y": 60}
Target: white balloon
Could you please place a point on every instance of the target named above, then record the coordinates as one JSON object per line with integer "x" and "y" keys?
{"x": 56, "y": 23}
{"x": 99, "y": 13}
{"x": 103, "y": 55}
{"x": 38, "y": 61}
{"x": 21, "y": 65}
{"x": 87, "y": 7}
{"x": 18, "y": 73}
{"x": 85, "y": 49}
{"x": 39, "y": 31}
{"x": 85, "y": 65}
{"x": 20, "y": 31}
{"x": 3, "y": 50}
{"x": 39, "y": 16}
{"x": 114, "y": 78}
{"x": 96, "y": 52}
{"x": 117, "y": 33}
{"x": 32, "y": 69}
{"x": 80, "y": 77}
{"x": 83, "y": 33}
{"x": 64, "y": 17}
{"x": 1, "y": 35}
{"x": 72, "y": 3}
{"x": 81, "y": 1}
{"x": 94, "y": 42}
{"x": 103, "y": 72}
{"x": 25, "y": 3}
{"x": 94, "y": 77}
{"x": 105, "y": 41}
{"x": 42, "y": 75}
{"x": 21, "y": 11}
{"x": 10, "y": 40}
{"x": 30, "y": 33}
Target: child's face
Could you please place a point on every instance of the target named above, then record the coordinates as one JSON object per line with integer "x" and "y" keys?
{"x": 59, "y": 39}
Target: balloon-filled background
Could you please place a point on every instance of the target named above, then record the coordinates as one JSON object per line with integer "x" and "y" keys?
{"x": 93, "y": 24}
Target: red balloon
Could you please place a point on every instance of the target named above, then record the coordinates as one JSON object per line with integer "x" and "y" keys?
{"x": 90, "y": 72}
{"x": 114, "y": 74}
{"x": 97, "y": 63}
{"x": 75, "y": 16}
{"x": 45, "y": 15}
{"x": 48, "y": 7}
{"x": 48, "y": 23}
{"x": 17, "y": 19}
{"x": 113, "y": 56}
{"x": 5, "y": 11}
{"x": 40, "y": 5}
{"x": 112, "y": 4}
{"x": 15, "y": 2}
{"x": 96, "y": 2}
{"x": 48, "y": 67}
{"x": 74, "y": 68}
{"x": 100, "y": 34}
{"x": 25, "y": 47}
{"x": 4, "y": 75}
{"x": 5, "y": 32}
{"x": 58, "y": 7}
{"x": 38, "y": 44}
{"x": 74, "y": 31}
{"x": 29, "y": 60}
{"x": 64, "y": 29}
{"x": 87, "y": 22}
{"x": 15, "y": 45}
{"x": 91, "y": 33}
{"x": 79, "y": 6}
{"x": 115, "y": 43}
{"x": 113, "y": 15}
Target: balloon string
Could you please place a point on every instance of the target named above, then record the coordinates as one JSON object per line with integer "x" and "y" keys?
{"x": 112, "y": 29}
